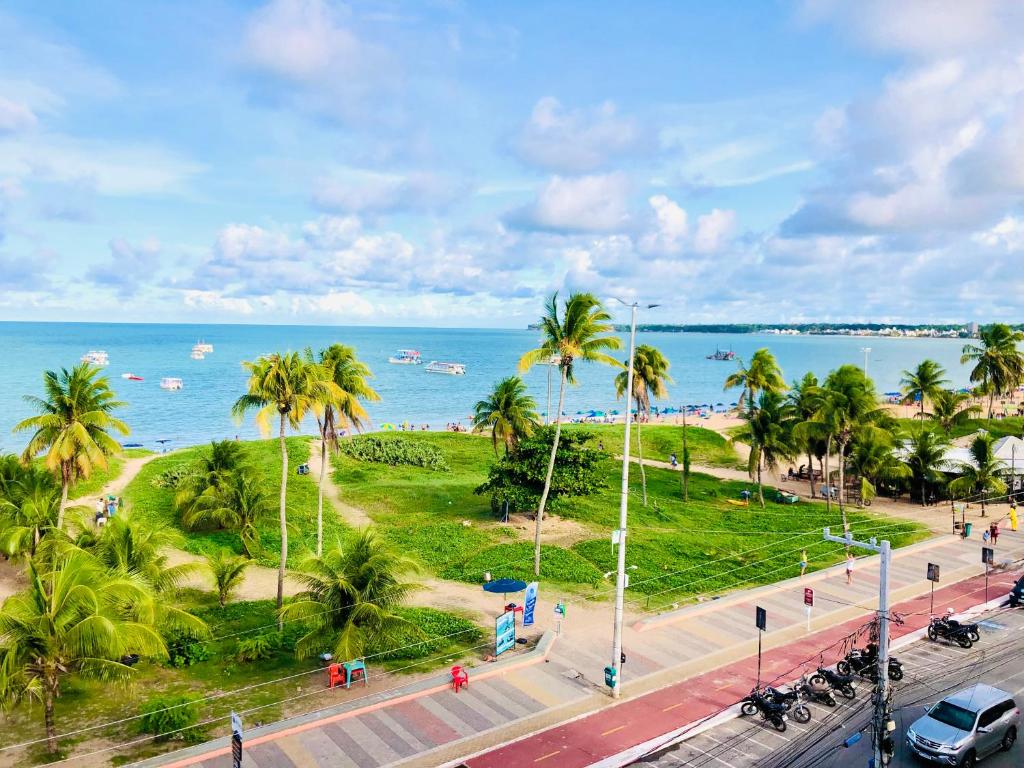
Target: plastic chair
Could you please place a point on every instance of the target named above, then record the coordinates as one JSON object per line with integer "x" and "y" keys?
{"x": 460, "y": 678}
{"x": 351, "y": 667}
{"x": 335, "y": 676}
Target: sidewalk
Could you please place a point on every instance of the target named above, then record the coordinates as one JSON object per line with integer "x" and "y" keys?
{"x": 709, "y": 646}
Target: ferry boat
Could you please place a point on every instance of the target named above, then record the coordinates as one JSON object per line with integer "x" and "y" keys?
{"x": 197, "y": 354}
{"x": 131, "y": 377}
{"x": 406, "y": 357}
{"x": 722, "y": 354}
{"x": 452, "y": 369}
{"x": 96, "y": 357}
{"x": 202, "y": 346}
{"x": 171, "y": 382}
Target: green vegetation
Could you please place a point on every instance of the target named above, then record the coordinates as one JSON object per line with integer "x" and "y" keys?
{"x": 394, "y": 450}
{"x": 706, "y": 447}
{"x": 172, "y": 715}
{"x": 1011, "y": 425}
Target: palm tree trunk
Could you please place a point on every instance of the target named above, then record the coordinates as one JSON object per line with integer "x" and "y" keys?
{"x": 924, "y": 497}
{"x": 51, "y": 727}
{"x": 810, "y": 470}
{"x": 640, "y": 456}
{"x": 65, "y": 483}
{"x": 825, "y": 477}
{"x": 547, "y": 477}
{"x": 284, "y": 522}
{"x": 991, "y": 403}
{"x": 320, "y": 498}
{"x": 842, "y": 480}
{"x": 760, "y": 488}
{"x": 686, "y": 462}
{"x": 547, "y": 413}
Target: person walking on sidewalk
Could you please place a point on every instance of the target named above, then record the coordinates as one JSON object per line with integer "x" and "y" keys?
{"x": 994, "y": 530}
{"x": 850, "y": 560}
{"x": 803, "y": 562}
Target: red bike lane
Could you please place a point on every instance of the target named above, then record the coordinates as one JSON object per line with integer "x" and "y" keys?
{"x": 614, "y": 729}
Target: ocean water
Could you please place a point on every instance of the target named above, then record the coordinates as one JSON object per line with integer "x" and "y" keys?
{"x": 202, "y": 410}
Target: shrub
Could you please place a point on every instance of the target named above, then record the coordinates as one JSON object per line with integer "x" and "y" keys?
{"x": 394, "y": 451}
{"x": 174, "y": 476}
{"x": 430, "y": 631}
{"x": 184, "y": 650}
{"x": 171, "y": 717}
{"x": 257, "y": 647}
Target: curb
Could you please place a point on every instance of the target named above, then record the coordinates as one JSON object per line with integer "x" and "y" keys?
{"x": 344, "y": 711}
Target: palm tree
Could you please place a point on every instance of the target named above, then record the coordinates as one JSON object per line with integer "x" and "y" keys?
{"x": 29, "y": 508}
{"x": 926, "y": 457}
{"x": 804, "y": 398}
{"x": 761, "y": 375}
{"x": 650, "y": 375}
{"x": 350, "y": 596}
{"x": 343, "y": 407}
{"x": 769, "y": 433}
{"x": 241, "y": 504}
{"x": 923, "y": 383}
{"x": 953, "y": 409}
{"x": 210, "y": 474}
{"x": 582, "y": 333}
{"x": 998, "y": 363}
{"x": 508, "y": 412}
{"x": 73, "y": 426}
{"x": 70, "y": 621}
{"x": 227, "y": 571}
{"x": 873, "y": 458}
{"x": 981, "y": 474}
{"x": 132, "y": 546}
{"x": 288, "y": 385}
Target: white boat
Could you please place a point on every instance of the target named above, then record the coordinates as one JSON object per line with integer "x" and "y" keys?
{"x": 96, "y": 357}
{"x": 554, "y": 360}
{"x": 202, "y": 346}
{"x": 197, "y": 354}
{"x": 406, "y": 357}
{"x": 171, "y": 382}
{"x": 452, "y": 369}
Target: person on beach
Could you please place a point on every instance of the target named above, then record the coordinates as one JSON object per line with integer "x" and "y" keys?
{"x": 803, "y": 563}
{"x": 849, "y": 567}
{"x": 672, "y": 459}
{"x": 100, "y": 508}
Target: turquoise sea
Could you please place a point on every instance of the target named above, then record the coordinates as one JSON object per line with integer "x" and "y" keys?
{"x": 201, "y": 411}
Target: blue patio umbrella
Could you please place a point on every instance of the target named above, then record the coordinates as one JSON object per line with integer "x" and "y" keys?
{"x": 504, "y": 586}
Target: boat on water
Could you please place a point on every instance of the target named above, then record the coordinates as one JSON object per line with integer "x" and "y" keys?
{"x": 202, "y": 346}
{"x": 406, "y": 357}
{"x": 722, "y": 354}
{"x": 197, "y": 354}
{"x": 554, "y": 360}
{"x": 131, "y": 377}
{"x": 171, "y": 383}
{"x": 96, "y": 357}
{"x": 452, "y": 369}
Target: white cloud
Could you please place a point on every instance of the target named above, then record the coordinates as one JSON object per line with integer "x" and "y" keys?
{"x": 330, "y": 232}
{"x": 15, "y": 116}
{"x": 214, "y": 300}
{"x": 129, "y": 267}
{"x": 585, "y": 203}
{"x": 1008, "y": 234}
{"x": 300, "y": 39}
{"x": 338, "y": 304}
{"x": 358, "y": 190}
{"x": 671, "y": 226}
{"x": 574, "y": 140}
{"x": 714, "y": 230}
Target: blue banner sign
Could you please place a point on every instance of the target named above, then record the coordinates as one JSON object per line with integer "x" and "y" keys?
{"x": 504, "y": 633}
{"x": 530, "y": 603}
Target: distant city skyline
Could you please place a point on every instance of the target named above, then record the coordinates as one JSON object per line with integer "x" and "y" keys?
{"x": 449, "y": 164}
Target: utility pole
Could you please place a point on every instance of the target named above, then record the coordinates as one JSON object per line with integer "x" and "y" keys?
{"x": 620, "y": 579}
{"x": 865, "y": 350}
{"x": 881, "y": 757}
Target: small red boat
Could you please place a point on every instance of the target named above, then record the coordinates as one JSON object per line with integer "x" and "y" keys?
{"x": 131, "y": 377}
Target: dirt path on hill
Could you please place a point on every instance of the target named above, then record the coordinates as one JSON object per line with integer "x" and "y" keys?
{"x": 354, "y": 516}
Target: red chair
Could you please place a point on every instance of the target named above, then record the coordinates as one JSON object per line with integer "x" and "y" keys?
{"x": 513, "y": 608}
{"x": 335, "y": 675}
{"x": 460, "y": 678}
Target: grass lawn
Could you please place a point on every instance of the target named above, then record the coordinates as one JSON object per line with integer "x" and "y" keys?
{"x": 1012, "y": 425}
{"x": 661, "y": 440}
{"x": 703, "y": 546}
{"x": 142, "y": 496}
{"x": 91, "y": 485}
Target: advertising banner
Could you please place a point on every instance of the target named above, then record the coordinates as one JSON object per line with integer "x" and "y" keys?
{"x": 530, "y": 603}
{"x": 504, "y": 633}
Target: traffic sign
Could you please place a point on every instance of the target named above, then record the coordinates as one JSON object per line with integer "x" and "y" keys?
{"x": 808, "y": 597}
{"x": 987, "y": 555}
{"x": 933, "y": 571}
{"x": 760, "y": 618}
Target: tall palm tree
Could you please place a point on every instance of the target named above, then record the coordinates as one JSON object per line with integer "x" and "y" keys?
{"x": 926, "y": 457}
{"x": 923, "y": 383}
{"x": 769, "y": 433}
{"x": 998, "y": 363}
{"x": 227, "y": 571}
{"x": 73, "y": 426}
{"x": 70, "y": 620}
{"x": 211, "y": 473}
{"x": 342, "y": 408}
{"x": 873, "y": 458}
{"x": 980, "y": 475}
{"x": 762, "y": 374}
{"x": 288, "y": 385}
{"x": 350, "y": 595}
{"x": 650, "y": 375}
{"x": 133, "y": 546}
{"x": 241, "y": 503}
{"x": 953, "y": 409}
{"x": 29, "y": 508}
{"x": 581, "y": 334}
{"x": 804, "y": 398}
{"x": 508, "y": 412}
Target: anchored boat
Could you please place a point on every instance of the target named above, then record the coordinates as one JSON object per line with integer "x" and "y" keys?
{"x": 452, "y": 369}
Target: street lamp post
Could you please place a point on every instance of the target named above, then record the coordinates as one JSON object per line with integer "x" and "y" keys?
{"x": 620, "y": 578}
{"x": 866, "y": 351}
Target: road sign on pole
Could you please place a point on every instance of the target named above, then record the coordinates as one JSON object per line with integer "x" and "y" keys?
{"x": 761, "y": 620}
{"x": 236, "y": 741}
{"x": 808, "y": 597}
{"x": 933, "y": 571}
{"x": 987, "y": 558}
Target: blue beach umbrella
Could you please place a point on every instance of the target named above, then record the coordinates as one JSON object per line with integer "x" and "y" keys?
{"x": 504, "y": 586}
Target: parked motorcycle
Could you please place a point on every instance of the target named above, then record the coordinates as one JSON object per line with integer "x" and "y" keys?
{"x": 951, "y": 631}
{"x": 972, "y": 629}
{"x": 770, "y": 711}
{"x": 865, "y": 663}
{"x": 820, "y": 694}
{"x": 836, "y": 681}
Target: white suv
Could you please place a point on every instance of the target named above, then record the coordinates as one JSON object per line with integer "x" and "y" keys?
{"x": 965, "y": 727}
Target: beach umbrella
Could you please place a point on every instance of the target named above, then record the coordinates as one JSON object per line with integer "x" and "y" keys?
{"x": 504, "y": 587}
{"x": 614, "y": 413}
{"x": 387, "y": 426}
{"x": 733, "y": 404}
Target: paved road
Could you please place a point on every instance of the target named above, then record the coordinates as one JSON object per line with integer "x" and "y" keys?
{"x": 934, "y": 670}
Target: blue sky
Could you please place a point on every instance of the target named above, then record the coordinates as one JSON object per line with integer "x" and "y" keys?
{"x": 447, "y": 163}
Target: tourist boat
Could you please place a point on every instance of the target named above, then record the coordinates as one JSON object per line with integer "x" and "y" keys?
{"x": 96, "y": 357}
{"x": 722, "y": 354}
{"x": 202, "y": 346}
{"x": 406, "y": 357}
{"x": 171, "y": 382}
{"x": 452, "y": 369}
{"x": 131, "y": 377}
{"x": 197, "y": 354}
{"x": 554, "y": 360}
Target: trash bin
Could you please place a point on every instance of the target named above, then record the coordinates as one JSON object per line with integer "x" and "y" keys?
{"x": 967, "y": 529}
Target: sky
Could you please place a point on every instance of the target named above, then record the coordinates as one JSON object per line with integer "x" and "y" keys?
{"x": 445, "y": 163}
